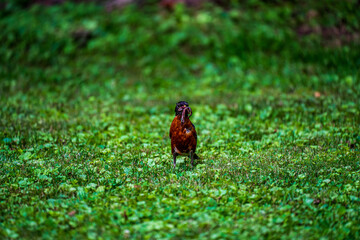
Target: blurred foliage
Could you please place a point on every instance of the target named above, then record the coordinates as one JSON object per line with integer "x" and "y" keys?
{"x": 87, "y": 98}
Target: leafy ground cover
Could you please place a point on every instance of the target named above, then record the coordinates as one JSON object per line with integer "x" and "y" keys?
{"x": 87, "y": 98}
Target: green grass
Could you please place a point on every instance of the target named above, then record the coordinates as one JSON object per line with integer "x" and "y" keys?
{"x": 84, "y": 146}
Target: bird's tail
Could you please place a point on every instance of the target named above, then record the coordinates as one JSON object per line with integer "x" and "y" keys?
{"x": 196, "y": 156}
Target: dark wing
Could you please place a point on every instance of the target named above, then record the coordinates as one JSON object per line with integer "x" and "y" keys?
{"x": 172, "y": 127}
{"x": 195, "y": 134}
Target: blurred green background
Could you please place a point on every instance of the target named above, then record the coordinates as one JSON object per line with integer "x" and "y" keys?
{"x": 199, "y": 53}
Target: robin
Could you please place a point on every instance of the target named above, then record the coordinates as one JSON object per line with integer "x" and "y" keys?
{"x": 183, "y": 134}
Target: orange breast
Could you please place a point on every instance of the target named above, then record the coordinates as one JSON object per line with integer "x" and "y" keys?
{"x": 183, "y": 136}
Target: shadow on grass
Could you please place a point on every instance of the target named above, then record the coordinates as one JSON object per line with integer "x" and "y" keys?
{"x": 185, "y": 164}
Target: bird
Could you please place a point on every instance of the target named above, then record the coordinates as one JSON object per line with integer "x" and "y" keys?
{"x": 183, "y": 133}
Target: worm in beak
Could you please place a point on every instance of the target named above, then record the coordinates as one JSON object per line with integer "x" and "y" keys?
{"x": 186, "y": 109}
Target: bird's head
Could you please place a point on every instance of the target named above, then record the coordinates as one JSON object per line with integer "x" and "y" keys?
{"x": 182, "y": 108}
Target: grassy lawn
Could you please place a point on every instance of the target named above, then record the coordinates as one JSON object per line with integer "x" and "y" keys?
{"x": 87, "y": 98}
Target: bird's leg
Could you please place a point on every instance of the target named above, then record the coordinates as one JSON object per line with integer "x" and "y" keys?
{"x": 174, "y": 156}
{"x": 192, "y": 158}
